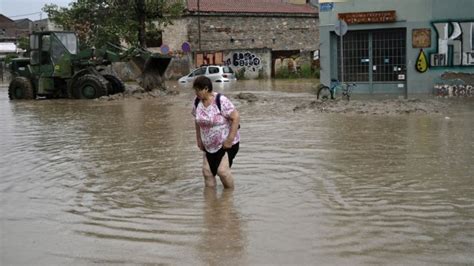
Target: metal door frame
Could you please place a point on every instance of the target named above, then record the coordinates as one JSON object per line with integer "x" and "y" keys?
{"x": 391, "y": 85}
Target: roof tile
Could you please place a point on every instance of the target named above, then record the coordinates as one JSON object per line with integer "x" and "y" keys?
{"x": 249, "y": 6}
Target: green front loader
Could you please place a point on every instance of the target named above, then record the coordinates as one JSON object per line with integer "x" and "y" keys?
{"x": 57, "y": 69}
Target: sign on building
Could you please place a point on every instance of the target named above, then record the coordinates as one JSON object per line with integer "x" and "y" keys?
{"x": 369, "y": 17}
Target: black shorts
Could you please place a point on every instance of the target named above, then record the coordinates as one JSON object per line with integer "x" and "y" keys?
{"x": 214, "y": 159}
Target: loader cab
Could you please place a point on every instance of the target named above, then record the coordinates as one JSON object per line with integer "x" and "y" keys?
{"x": 48, "y": 47}
{"x": 50, "y": 59}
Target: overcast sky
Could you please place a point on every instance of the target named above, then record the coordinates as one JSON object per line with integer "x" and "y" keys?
{"x": 14, "y": 8}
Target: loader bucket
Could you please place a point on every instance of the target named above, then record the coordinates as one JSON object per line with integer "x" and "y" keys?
{"x": 152, "y": 70}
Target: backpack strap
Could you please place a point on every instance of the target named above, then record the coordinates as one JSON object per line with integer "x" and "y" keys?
{"x": 218, "y": 102}
{"x": 196, "y": 102}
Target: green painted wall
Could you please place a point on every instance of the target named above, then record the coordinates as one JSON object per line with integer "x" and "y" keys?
{"x": 411, "y": 14}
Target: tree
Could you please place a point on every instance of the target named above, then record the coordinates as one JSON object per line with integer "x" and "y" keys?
{"x": 24, "y": 43}
{"x": 147, "y": 12}
{"x": 97, "y": 22}
{"x": 88, "y": 19}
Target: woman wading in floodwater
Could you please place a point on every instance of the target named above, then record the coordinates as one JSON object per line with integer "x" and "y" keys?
{"x": 217, "y": 132}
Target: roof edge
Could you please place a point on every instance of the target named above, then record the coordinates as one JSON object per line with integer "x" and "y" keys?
{"x": 250, "y": 14}
{"x": 11, "y": 20}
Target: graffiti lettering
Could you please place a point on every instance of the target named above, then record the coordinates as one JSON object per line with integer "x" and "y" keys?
{"x": 460, "y": 40}
{"x": 438, "y": 60}
{"x": 470, "y": 58}
{"x": 448, "y": 90}
{"x": 468, "y": 49}
{"x": 245, "y": 60}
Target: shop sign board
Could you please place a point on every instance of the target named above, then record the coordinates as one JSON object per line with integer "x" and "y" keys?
{"x": 369, "y": 17}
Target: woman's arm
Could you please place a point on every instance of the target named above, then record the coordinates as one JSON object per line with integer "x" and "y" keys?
{"x": 234, "y": 126}
{"x": 198, "y": 137}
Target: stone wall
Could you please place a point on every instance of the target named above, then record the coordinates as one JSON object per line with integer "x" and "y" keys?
{"x": 243, "y": 38}
{"x": 244, "y": 32}
{"x": 175, "y": 35}
{"x": 252, "y": 32}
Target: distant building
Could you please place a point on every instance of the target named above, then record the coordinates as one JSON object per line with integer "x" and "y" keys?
{"x": 7, "y": 40}
{"x": 248, "y": 35}
{"x": 7, "y": 27}
{"x": 23, "y": 27}
{"x": 46, "y": 25}
{"x": 399, "y": 47}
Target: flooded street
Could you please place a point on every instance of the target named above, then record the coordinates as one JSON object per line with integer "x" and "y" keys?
{"x": 85, "y": 182}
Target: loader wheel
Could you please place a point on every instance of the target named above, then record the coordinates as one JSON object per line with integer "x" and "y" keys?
{"x": 21, "y": 88}
{"x": 115, "y": 84}
{"x": 90, "y": 86}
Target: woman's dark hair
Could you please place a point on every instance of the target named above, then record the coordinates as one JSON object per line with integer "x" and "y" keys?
{"x": 202, "y": 82}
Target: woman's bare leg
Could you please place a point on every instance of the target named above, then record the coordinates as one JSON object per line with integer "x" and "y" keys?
{"x": 209, "y": 179}
{"x": 224, "y": 172}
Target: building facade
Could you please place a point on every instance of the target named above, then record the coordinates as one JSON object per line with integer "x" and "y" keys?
{"x": 401, "y": 47}
{"x": 250, "y": 36}
{"x": 24, "y": 27}
{"x": 7, "y": 27}
{"x": 46, "y": 25}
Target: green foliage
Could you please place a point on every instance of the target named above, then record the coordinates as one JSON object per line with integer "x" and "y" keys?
{"x": 317, "y": 73}
{"x": 24, "y": 43}
{"x": 9, "y": 57}
{"x": 283, "y": 73}
{"x": 240, "y": 74}
{"x": 306, "y": 71}
{"x": 97, "y": 22}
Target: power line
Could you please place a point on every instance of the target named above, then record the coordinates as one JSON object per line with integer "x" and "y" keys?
{"x": 25, "y": 15}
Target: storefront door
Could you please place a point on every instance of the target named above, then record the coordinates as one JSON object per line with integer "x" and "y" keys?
{"x": 376, "y": 58}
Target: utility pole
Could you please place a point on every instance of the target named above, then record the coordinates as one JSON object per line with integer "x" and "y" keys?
{"x": 341, "y": 29}
{"x": 199, "y": 24}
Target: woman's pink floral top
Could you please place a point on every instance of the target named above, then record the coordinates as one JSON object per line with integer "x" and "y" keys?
{"x": 215, "y": 124}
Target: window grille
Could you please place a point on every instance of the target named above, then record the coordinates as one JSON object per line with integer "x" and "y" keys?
{"x": 389, "y": 54}
{"x": 356, "y": 56}
{"x": 378, "y": 56}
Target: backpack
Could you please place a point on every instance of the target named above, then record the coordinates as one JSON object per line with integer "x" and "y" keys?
{"x": 218, "y": 102}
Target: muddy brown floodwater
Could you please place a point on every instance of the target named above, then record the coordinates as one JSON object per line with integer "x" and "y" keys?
{"x": 119, "y": 181}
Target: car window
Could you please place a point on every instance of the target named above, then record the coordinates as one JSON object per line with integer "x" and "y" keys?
{"x": 228, "y": 70}
{"x": 200, "y": 71}
{"x": 213, "y": 70}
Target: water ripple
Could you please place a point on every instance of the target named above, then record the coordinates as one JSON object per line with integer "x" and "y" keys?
{"x": 120, "y": 182}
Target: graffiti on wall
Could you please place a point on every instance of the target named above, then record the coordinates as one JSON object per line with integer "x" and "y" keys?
{"x": 212, "y": 58}
{"x": 455, "y": 84}
{"x": 247, "y": 60}
{"x": 455, "y": 44}
{"x": 453, "y": 90}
